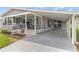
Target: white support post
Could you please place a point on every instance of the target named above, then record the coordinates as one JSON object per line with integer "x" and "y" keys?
{"x": 3, "y": 22}
{"x": 12, "y": 22}
{"x": 25, "y": 23}
{"x": 35, "y": 24}
{"x": 69, "y": 28}
{"x": 7, "y": 20}
{"x": 73, "y": 30}
{"x": 41, "y": 23}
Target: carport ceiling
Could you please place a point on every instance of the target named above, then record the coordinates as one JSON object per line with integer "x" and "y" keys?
{"x": 55, "y": 16}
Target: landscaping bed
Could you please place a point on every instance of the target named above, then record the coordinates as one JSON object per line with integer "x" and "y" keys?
{"x": 18, "y": 36}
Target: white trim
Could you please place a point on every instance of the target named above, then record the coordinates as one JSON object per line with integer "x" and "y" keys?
{"x": 36, "y": 14}
{"x": 25, "y": 23}
{"x": 73, "y": 30}
{"x": 18, "y": 14}
{"x": 12, "y": 21}
{"x": 69, "y": 28}
{"x": 58, "y": 12}
{"x": 41, "y": 23}
{"x": 35, "y": 24}
{"x": 6, "y": 20}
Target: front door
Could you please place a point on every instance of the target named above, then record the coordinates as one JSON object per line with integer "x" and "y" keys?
{"x": 57, "y": 24}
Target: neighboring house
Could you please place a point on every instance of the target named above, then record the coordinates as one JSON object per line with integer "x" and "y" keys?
{"x": 31, "y": 22}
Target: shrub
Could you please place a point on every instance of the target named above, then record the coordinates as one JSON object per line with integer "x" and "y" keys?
{"x": 5, "y": 32}
{"x": 77, "y": 35}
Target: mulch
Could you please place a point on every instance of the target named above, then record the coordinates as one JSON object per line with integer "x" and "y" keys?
{"x": 18, "y": 36}
{"x": 77, "y": 46}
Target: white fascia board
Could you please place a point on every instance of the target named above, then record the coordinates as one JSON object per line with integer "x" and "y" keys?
{"x": 58, "y": 12}
{"x": 18, "y": 14}
{"x": 63, "y": 12}
{"x": 73, "y": 29}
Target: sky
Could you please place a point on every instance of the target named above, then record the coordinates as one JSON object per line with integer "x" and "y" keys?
{"x": 4, "y": 9}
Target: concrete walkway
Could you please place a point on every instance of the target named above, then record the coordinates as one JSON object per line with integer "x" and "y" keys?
{"x": 51, "y": 41}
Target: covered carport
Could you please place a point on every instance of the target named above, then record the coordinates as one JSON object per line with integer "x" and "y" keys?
{"x": 65, "y": 17}
{"x": 60, "y": 38}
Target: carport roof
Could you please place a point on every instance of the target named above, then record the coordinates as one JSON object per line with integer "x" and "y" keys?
{"x": 56, "y": 15}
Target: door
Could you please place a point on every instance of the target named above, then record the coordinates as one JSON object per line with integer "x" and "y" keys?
{"x": 57, "y": 24}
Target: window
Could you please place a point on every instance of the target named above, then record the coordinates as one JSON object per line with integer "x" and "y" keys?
{"x": 49, "y": 23}
{"x": 5, "y": 22}
{"x": 37, "y": 20}
{"x": 9, "y": 21}
{"x": 14, "y": 20}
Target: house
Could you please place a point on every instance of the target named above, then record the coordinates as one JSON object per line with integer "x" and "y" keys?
{"x": 32, "y": 22}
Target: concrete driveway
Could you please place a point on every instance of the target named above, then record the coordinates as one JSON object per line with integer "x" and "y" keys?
{"x": 50, "y": 41}
{"x": 25, "y": 46}
{"x": 57, "y": 38}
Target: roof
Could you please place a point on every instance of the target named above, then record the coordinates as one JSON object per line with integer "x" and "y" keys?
{"x": 57, "y": 15}
{"x": 49, "y": 11}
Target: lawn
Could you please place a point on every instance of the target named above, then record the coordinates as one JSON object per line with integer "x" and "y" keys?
{"x": 5, "y": 40}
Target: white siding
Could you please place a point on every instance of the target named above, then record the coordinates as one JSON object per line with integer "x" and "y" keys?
{"x": 45, "y": 23}
{"x": 1, "y": 23}
{"x": 63, "y": 25}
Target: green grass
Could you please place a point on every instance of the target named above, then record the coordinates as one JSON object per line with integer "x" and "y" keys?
{"x": 5, "y": 40}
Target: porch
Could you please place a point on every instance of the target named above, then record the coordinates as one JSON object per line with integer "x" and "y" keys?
{"x": 30, "y": 23}
{"x": 25, "y": 23}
